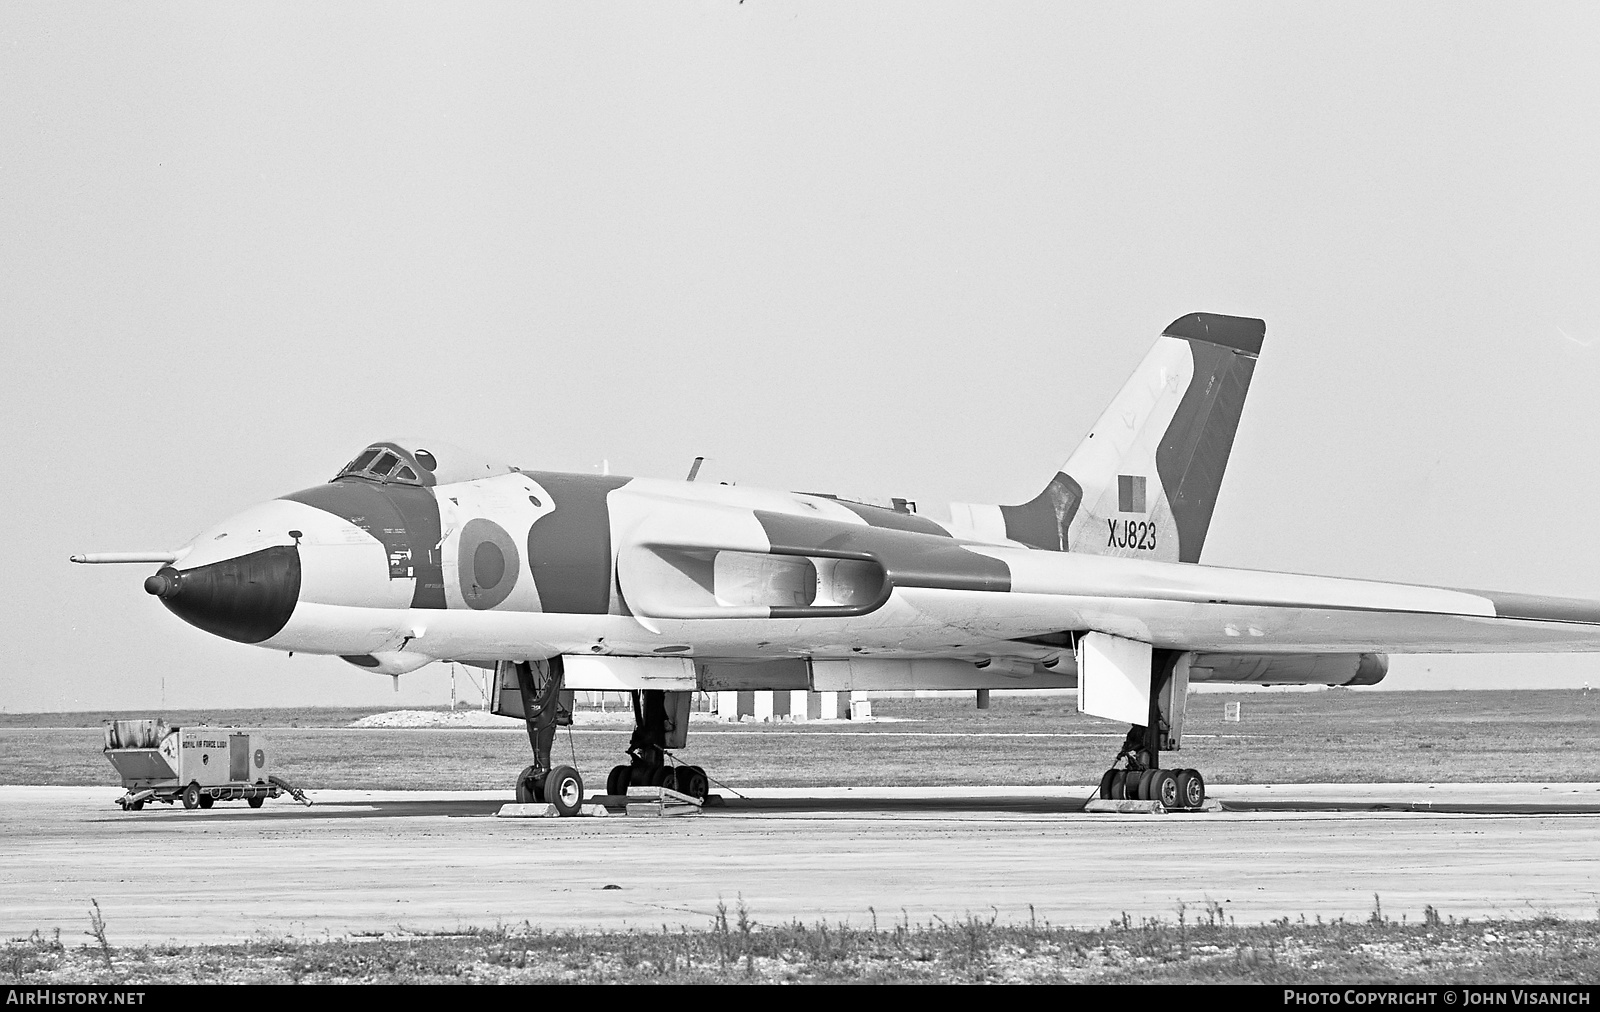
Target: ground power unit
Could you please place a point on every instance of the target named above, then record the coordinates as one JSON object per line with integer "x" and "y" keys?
{"x": 198, "y": 766}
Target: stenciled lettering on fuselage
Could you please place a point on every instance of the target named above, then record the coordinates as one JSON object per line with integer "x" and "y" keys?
{"x": 1139, "y": 535}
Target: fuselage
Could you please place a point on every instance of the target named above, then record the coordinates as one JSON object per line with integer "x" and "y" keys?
{"x": 396, "y": 563}
{"x": 393, "y": 573}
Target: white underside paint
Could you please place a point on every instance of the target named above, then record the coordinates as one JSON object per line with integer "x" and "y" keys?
{"x": 1114, "y": 678}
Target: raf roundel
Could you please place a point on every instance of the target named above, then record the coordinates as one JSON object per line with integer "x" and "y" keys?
{"x": 488, "y": 563}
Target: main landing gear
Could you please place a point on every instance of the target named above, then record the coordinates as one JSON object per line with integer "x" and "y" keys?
{"x": 1143, "y": 779}
{"x": 546, "y": 705}
{"x": 660, "y": 724}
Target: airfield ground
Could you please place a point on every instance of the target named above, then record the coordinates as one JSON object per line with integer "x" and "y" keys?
{"x": 380, "y": 878}
{"x": 1339, "y": 736}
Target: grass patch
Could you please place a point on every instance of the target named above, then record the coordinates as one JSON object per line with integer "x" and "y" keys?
{"x": 1300, "y": 737}
{"x": 1201, "y": 946}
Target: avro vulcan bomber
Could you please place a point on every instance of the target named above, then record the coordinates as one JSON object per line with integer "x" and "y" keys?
{"x": 418, "y": 551}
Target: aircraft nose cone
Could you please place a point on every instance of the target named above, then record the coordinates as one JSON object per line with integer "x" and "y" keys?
{"x": 248, "y": 599}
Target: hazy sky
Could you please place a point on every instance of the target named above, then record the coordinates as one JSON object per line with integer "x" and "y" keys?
{"x": 897, "y": 249}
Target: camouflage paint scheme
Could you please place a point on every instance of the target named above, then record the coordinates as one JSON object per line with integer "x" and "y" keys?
{"x": 420, "y": 551}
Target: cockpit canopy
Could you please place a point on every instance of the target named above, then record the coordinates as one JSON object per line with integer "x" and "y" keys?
{"x": 420, "y": 462}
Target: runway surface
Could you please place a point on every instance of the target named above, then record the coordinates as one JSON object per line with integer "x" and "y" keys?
{"x": 407, "y": 861}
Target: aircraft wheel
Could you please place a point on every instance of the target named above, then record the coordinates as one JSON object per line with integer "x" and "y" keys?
{"x": 1164, "y": 788}
{"x": 529, "y": 790}
{"x": 1191, "y": 788}
{"x": 692, "y": 781}
{"x": 1144, "y": 784}
{"x": 191, "y": 795}
{"x": 1119, "y": 784}
{"x": 617, "y": 782}
{"x": 564, "y": 789}
{"x": 658, "y": 777}
{"x": 256, "y": 801}
{"x": 1105, "y": 784}
{"x": 206, "y": 801}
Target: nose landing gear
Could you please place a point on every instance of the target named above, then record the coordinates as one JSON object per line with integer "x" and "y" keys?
{"x": 546, "y": 705}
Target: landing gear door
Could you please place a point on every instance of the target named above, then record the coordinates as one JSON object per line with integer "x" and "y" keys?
{"x": 1114, "y": 678}
{"x": 677, "y": 722}
{"x": 1173, "y": 704}
{"x": 505, "y": 698}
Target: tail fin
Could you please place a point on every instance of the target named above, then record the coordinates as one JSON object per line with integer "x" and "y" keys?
{"x": 1144, "y": 481}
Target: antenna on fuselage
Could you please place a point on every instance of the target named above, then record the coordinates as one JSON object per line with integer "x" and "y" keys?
{"x": 694, "y": 468}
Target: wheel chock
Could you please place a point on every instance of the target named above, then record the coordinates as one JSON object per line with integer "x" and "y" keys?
{"x": 546, "y": 811}
{"x": 657, "y": 801}
{"x": 1146, "y": 807}
{"x": 1125, "y": 807}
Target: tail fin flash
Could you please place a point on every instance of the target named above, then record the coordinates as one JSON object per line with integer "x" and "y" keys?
{"x": 1145, "y": 480}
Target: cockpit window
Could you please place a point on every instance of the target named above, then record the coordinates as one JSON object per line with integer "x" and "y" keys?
{"x": 362, "y": 461}
{"x": 383, "y": 464}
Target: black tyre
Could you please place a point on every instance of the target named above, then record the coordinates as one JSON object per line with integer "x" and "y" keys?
{"x": 1144, "y": 784}
{"x": 256, "y": 801}
{"x": 669, "y": 777}
{"x": 1105, "y": 784}
{"x": 206, "y": 801}
{"x": 530, "y": 790}
{"x": 617, "y": 782}
{"x": 692, "y": 781}
{"x": 658, "y": 777}
{"x": 1119, "y": 785}
{"x": 191, "y": 795}
{"x": 1191, "y": 789}
{"x": 564, "y": 789}
{"x": 1164, "y": 788}
{"x": 136, "y": 806}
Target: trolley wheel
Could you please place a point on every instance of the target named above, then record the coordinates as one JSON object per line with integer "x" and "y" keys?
{"x": 618, "y": 781}
{"x": 529, "y": 790}
{"x": 206, "y": 801}
{"x": 563, "y": 788}
{"x": 255, "y": 801}
{"x": 191, "y": 795}
{"x": 136, "y": 806}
